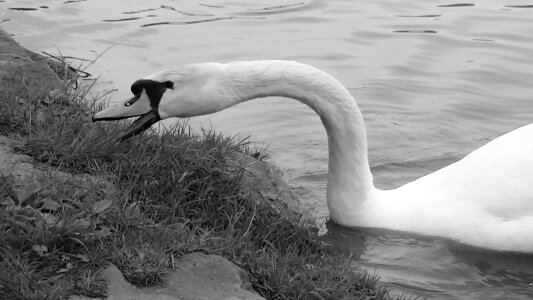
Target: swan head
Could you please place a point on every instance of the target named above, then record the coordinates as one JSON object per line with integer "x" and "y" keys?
{"x": 192, "y": 91}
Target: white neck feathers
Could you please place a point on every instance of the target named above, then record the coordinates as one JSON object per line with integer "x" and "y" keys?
{"x": 484, "y": 199}
{"x": 350, "y": 183}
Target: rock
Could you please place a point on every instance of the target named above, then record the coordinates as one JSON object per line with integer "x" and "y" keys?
{"x": 196, "y": 276}
{"x": 24, "y": 169}
{"x": 200, "y": 276}
{"x": 19, "y": 65}
{"x": 264, "y": 181}
{"x": 11, "y": 163}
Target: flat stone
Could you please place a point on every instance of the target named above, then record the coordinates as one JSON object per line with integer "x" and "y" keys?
{"x": 15, "y": 164}
{"x": 196, "y": 276}
{"x": 200, "y": 276}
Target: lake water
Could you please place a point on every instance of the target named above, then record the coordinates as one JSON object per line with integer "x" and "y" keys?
{"x": 434, "y": 80}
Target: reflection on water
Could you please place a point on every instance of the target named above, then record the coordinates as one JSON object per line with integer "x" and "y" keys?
{"x": 434, "y": 80}
{"x": 435, "y": 267}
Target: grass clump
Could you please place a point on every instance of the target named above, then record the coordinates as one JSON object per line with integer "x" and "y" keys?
{"x": 159, "y": 196}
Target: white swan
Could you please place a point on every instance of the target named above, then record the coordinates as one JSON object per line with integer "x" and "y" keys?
{"x": 485, "y": 199}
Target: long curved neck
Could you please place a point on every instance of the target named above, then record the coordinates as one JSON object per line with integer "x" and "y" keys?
{"x": 350, "y": 183}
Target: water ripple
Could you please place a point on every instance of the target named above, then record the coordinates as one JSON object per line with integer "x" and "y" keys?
{"x": 138, "y": 11}
{"x": 23, "y": 8}
{"x": 277, "y": 8}
{"x": 121, "y": 20}
{"x": 196, "y": 21}
{"x": 415, "y": 31}
{"x": 456, "y": 5}
{"x": 434, "y": 80}
{"x": 418, "y": 16}
{"x": 186, "y": 13}
{"x": 520, "y": 6}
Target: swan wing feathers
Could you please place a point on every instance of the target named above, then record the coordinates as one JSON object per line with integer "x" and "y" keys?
{"x": 496, "y": 179}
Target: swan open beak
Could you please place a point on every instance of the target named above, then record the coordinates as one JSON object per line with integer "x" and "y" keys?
{"x": 140, "y": 125}
{"x": 128, "y": 109}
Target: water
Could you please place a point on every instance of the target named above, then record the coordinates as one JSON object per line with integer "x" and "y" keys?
{"x": 434, "y": 79}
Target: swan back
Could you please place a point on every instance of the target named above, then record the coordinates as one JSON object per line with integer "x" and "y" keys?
{"x": 484, "y": 199}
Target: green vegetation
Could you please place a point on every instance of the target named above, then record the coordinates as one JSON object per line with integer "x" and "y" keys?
{"x": 148, "y": 201}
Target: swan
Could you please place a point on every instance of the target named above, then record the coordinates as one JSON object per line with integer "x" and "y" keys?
{"x": 485, "y": 199}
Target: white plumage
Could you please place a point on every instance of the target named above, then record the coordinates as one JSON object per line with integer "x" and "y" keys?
{"x": 485, "y": 199}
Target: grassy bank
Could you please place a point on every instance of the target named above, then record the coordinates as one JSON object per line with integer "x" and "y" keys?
{"x": 158, "y": 197}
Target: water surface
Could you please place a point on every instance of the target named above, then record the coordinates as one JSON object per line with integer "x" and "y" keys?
{"x": 434, "y": 80}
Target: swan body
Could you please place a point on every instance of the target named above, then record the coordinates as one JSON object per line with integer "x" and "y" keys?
{"x": 484, "y": 199}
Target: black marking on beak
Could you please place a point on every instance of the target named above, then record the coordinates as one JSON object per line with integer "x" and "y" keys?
{"x": 134, "y": 99}
{"x": 140, "y": 125}
{"x": 154, "y": 90}
{"x": 128, "y": 103}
